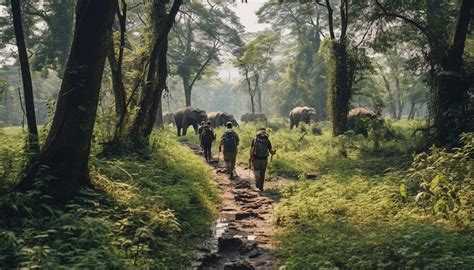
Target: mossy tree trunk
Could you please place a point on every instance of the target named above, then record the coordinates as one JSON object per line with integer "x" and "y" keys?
{"x": 340, "y": 90}
{"x": 142, "y": 125}
{"x": 63, "y": 161}
{"x": 340, "y": 87}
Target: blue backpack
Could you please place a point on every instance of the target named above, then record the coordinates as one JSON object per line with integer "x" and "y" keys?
{"x": 230, "y": 142}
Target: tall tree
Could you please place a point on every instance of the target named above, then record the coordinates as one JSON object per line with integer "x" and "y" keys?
{"x": 300, "y": 26}
{"x": 157, "y": 72}
{"x": 431, "y": 33}
{"x": 253, "y": 60}
{"x": 451, "y": 97}
{"x": 48, "y": 28}
{"x": 115, "y": 62}
{"x": 199, "y": 36}
{"x": 33, "y": 141}
{"x": 62, "y": 163}
{"x": 341, "y": 78}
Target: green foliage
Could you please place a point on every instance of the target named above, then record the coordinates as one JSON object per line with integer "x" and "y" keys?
{"x": 354, "y": 215}
{"x": 443, "y": 180}
{"x": 11, "y": 156}
{"x": 145, "y": 214}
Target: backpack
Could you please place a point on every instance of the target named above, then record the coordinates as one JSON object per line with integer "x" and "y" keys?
{"x": 207, "y": 136}
{"x": 261, "y": 146}
{"x": 230, "y": 142}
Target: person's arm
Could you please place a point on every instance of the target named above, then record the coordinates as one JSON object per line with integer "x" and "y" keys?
{"x": 251, "y": 149}
{"x": 270, "y": 148}
{"x": 237, "y": 138}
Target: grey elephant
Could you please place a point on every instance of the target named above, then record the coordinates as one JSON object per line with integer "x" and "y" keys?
{"x": 189, "y": 116}
{"x": 253, "y": 117}
{"x": 356, "y": 120}
{"x": 168, "y": 118}
{"x": 302, "y": 114}
{"x": 221, "y": 118}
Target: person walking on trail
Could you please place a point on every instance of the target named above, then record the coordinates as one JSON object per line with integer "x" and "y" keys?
{"x": 230, "y": 141}
{"x": 206, "y": 138}
{"x": 260, "y": 148}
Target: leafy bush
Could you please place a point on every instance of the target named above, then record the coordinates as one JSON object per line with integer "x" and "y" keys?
{"x": 443, "y": 180}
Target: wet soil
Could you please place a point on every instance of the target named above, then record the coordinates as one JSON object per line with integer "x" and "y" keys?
{"x": 241, "y": 235}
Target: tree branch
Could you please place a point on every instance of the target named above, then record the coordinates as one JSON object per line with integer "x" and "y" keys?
{"x": 330, "y": 20}
{"x": 399, "y": 16}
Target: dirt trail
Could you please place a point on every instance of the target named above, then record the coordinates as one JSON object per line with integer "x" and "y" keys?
{"x": 241, "y": 237}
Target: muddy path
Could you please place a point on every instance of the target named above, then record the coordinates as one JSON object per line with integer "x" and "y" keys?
{"x": 241, "y": 236}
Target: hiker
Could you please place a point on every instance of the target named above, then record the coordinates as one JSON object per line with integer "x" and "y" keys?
{"x": 206, "y": 138}
{"x": 259, "y": 150}
{"x": 230, "y": 141}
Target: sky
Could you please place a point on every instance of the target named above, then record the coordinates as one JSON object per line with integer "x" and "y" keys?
{"x": 246, "y": 12}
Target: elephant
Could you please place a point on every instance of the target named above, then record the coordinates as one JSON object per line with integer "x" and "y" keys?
{"x": 168, "y": 118}
{"x": 355, "y": 120}
{"x": 189, "y": 116}
{"x": 256, "y": 117}
{"x": 221, "y": 118}
{"x": 302, "y": 114}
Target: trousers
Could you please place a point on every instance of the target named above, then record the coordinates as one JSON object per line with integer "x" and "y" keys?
{"x": 259, "y": 168}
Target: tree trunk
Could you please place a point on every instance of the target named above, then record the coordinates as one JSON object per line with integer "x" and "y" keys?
{"x": 411, "y": 115}
{"x": 187, "y": 90}
{"x": 252, "y": 102}
{"x": 160, "y": 85}
{"x": 6, "y": 105}
{"x": 33, "y": 142}
{"x": 117, "y": 80}
{"x": 63, "y": 161}
{"x": 340, "y": 92}
{"x": 159, "y": 114}
{"x": 393, "y": 109}
{"x": 259, "y": 99}
{"x": 399, "y": 98}
{"x": 451, "y": 89}
{"x": 156, "y": 74}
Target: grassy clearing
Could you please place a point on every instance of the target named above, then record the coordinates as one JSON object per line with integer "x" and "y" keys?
{"x": 354, "y": 215}
{"x": 141, "y": 213}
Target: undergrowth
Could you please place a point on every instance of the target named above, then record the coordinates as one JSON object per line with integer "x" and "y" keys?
{"x": 139, "y": 214}
{"x": 357, "y": 214}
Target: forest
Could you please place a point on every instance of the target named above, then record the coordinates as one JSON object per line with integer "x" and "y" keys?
{"x": 224, "y": 134}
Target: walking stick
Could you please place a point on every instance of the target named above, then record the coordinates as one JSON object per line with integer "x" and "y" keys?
{"x": 250, "y": 166}
{"x": 270, "y": 167}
